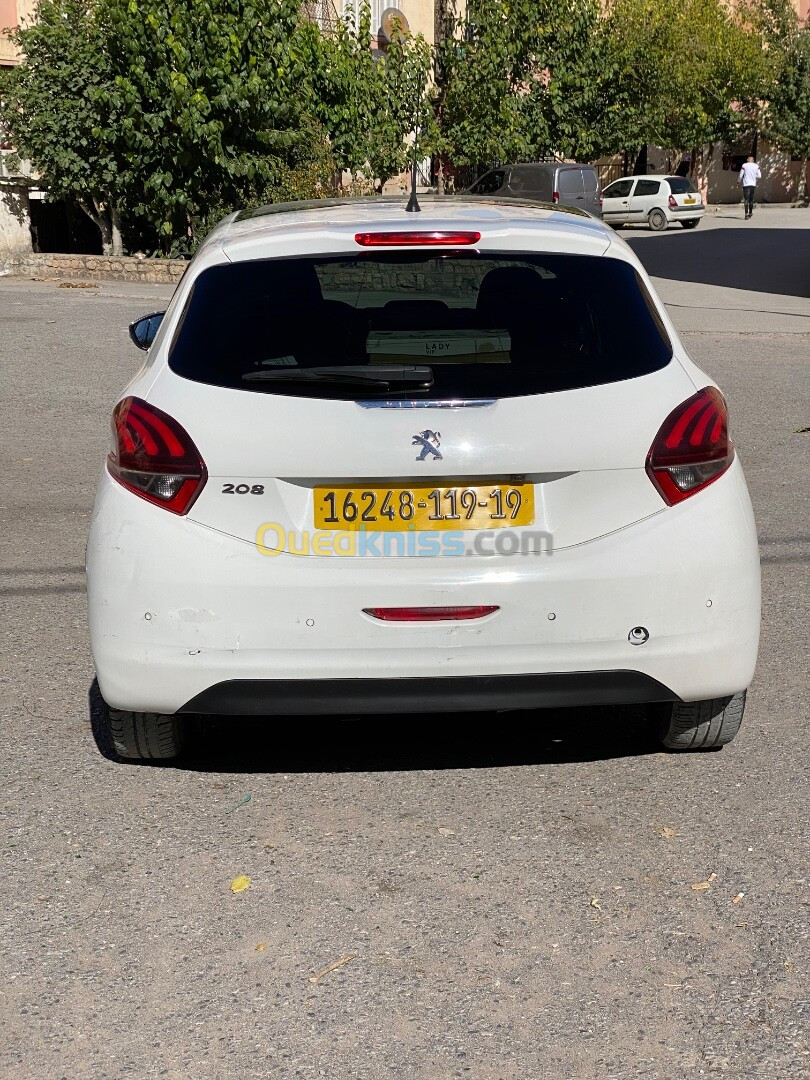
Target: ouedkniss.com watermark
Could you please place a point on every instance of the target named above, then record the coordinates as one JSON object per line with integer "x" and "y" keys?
{"x": 274, "y": 539}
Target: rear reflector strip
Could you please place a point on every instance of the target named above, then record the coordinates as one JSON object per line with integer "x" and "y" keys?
{"x": 417, "y": 239}
{"x": 429, "y": 614}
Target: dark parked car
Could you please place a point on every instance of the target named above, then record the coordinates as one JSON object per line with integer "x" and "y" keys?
{"x": 564, "y": 183}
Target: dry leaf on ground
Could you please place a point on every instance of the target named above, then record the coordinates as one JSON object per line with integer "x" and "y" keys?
{"x": 667, "y": 832}
{"x": 239, "y": 884}
{"x": 596, "y": 903}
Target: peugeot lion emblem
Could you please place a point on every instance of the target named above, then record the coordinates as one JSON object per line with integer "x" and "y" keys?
{"x": 429, "y": 441}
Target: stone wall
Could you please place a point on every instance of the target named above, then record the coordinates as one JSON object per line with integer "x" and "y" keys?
{"x": 94, "y": 268}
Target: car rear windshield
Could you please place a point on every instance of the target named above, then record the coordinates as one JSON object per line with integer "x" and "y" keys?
{"x": 485, "y": 325}
{"x": 680, "y": 185}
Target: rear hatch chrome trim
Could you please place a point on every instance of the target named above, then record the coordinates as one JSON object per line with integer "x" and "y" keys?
{"x": 452, "y": 403}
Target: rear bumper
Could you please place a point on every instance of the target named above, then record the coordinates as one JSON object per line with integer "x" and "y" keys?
{"x": 177, "y": 609}
{"x": 676, "y": 213}
{"x": 479, "y": 693}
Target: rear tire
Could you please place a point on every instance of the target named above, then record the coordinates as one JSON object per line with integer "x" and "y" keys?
{"x": 616, "y": 225}
{"x": 700, "y": 725}
{"x": 657, "y": 220}
{"x": 692, "y": 224}
{"x": 144, "y": 736}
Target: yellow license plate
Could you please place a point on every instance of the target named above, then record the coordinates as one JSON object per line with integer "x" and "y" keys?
{"x": 434, "y": 506}
{"x": 689, "y": 200}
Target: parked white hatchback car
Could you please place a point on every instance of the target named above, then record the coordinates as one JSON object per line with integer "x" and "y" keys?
{"x": 386, "y": 462}
{"x": 652, "y": 200}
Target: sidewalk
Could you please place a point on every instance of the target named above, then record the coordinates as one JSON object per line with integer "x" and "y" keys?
{"x": 774, "y": 212}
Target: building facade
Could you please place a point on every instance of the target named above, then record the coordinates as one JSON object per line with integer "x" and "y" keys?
{"x": 13, "y": 13}
{"x": 417, "y": 15}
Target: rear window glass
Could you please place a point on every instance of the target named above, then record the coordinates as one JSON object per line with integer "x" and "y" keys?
{"x": 681, "y": 185}
{"x": 486, "y": 325}
{"x": 569, "y": 182}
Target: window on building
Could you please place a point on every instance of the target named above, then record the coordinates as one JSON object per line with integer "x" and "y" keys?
{"x": 350, "y": 9}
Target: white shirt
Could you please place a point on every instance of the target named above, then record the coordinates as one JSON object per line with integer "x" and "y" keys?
{"x": 749, "y": 174}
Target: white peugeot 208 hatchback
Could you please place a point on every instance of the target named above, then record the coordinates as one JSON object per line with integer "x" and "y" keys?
{"x": 383, "y": 462}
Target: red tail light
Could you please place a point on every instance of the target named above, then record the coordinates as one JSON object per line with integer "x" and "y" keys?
{"x": 555, "y": 196}
{"x": 428, "y": 614}
{"x": 692, "y": 449}
{"x": 673, "y": 202}
{"x": 154, "y": 457}
{"x": 417, "y": 239}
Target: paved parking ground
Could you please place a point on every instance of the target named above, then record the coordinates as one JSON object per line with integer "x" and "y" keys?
{"x": 507, "y": 898}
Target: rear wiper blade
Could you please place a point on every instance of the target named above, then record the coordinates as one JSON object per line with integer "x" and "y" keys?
{"x": 379, "y": 375}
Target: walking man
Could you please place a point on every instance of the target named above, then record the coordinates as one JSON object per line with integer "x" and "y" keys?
{"x": 749, "y": 174}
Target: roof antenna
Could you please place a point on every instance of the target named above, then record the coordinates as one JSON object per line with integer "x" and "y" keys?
{"x": 413, "y": 206}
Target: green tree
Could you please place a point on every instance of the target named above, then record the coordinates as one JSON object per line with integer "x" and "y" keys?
{"x": 206, "y": 106}
{"x": 567, "y": 109}
{"x": 523, "y": 80}
{"x": 51, "y": 106}
{"x": 576, "y": 79}
{"x": 536, "y": 78}
{"x": 480, "y": 108}
{"x": 367, "y": 104}
{"x": 170, "y": 114}
{"x": 684, "y": 72}
{"x": 787, "y": 117}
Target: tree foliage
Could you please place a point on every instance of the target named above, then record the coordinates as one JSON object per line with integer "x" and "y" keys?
{"x": 685, "y": 72}
{"x": 368, "y": 104}
{"x": 524, "y": 80}
{"x": 51, "y": 106}
{"x": 204, "y": 104}
{"x": 787, "y": 119}
{"x": 577, "y": 79}
{"x": 173, "y": 113}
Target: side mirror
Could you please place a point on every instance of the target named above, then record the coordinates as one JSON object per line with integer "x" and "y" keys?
{"x": 143, "y": 330}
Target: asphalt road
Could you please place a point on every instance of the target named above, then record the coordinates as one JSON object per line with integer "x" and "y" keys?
{"x": 516, "y": 895}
